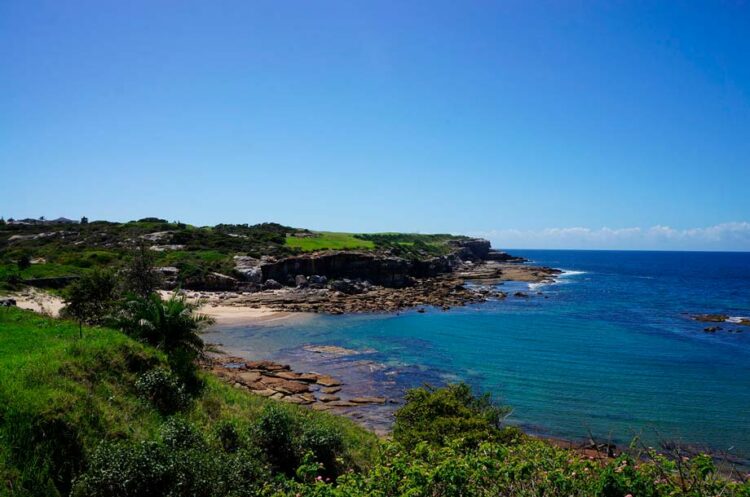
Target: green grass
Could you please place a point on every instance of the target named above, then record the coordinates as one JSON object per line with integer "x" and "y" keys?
{"x": 326, "y": 240}
{"x": 76, "y": 393}
{"x": 48, "y": 270}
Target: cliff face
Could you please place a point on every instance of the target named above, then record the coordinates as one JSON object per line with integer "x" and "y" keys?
{"x": 380, "y": 270}
{"x": 388, "y": 271}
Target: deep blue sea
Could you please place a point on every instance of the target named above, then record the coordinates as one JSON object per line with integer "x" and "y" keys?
{"x": 608, "y": 350}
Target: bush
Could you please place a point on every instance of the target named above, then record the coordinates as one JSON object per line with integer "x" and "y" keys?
{"x": 178, "y": 434}
{"x": 325, "y": 443}
{"x": 149, "y": 469}
{"x": 228, "y": 436}
{"x": 91, "y": 298}
{"x": 163, "y": 390}
{"x": 275, "y": 434}
{"x": 438, "y": 416}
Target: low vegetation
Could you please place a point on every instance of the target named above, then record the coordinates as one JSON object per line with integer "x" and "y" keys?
{"x": 107, "y": 415}
{"x": 29, "y": 252}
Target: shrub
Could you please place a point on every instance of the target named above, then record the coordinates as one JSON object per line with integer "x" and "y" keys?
{"x": 91, "y": 298}
{"x": 140, "y": 276}
{"x": 162, "y": 390}
{"x": 325, "y": 443}
{"x": 178, "y": 434}
{"x": 228, "y": 436}
{"x": 437, "y": 416}
{"x": 275, "y": 433}
{"x": 149, "y": 469}
{"x": 24, "y": 262}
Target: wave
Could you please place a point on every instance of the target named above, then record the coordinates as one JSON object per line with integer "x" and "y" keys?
{"x": 566, "y": 273}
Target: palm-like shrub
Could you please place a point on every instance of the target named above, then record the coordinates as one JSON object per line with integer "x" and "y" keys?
{"x": 171, "y": 325}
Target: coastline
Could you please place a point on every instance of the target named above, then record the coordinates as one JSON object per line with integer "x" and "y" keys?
{"x": 226, "y": 315}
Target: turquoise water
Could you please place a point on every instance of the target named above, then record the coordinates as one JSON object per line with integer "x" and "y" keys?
{"x": 608, "y": 350}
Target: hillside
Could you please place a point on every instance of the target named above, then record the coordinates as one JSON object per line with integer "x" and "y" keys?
{"x": 49, "y": 253}
{"x": 65, "y": 401}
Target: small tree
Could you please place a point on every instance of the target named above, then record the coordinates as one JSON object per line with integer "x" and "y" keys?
{"x": 24, "y": 262}
{"x": 140, "y": 275}
{"x": 91, "y": 298}
{"x": 84, "y": 220}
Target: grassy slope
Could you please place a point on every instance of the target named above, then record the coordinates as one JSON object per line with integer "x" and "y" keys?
{"x": 52, "y": 382}
{"x": 328, "y": 240}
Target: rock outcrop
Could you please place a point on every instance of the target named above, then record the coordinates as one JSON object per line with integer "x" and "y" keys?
{"x": 393, "y": 272}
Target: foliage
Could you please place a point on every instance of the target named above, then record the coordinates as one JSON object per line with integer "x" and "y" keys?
{"x": 170, "y": 325}
{"x": 158, "y": 469}
{"x": 529, "y": 469}
{"x": 71, "y": 416}
{"x": 288, "y": 443}
{"x": 412, "y": 245}
{"x": 140, "y": 276}
{"x": 163, "y": 390}
{"x": 91, "y": 298}
{"x": 439, "y": 416}
{"x": 24, "y": 262}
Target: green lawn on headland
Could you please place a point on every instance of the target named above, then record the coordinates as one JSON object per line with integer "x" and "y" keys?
{"x": 327, "y": 240}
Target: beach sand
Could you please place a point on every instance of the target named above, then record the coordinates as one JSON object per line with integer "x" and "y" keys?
{"x": 39, "y": 301}
{"x": 235, "y": 315}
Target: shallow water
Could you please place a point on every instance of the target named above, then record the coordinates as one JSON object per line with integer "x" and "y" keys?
{"x": 608, "y": 350}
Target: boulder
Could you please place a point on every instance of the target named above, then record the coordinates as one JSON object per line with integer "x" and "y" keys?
{"x": 368, "y": 400}
{"x": 248, "y": 268}
{"x": 272, "y": 284}
{"x": 317, "y": 281}
{"x": 300, "y": 281}
{"x": 711, "y": 318}
{"x": 7, "y": 302}
{"x": 328, "y": 381}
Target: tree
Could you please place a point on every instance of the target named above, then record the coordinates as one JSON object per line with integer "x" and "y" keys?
{"x": 140, "y": 275}
{"x": 84, "y": 220}
{"x": 24, "y": 262}
{"x": 2, "y": 221}
{"x": 91, "y": 298}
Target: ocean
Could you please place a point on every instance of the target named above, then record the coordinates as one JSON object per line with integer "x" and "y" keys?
{"x": 608, "y": 350}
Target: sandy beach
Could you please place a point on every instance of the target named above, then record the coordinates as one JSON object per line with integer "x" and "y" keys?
{"x": 232, "y": 315}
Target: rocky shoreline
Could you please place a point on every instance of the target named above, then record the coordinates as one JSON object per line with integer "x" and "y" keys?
{"x": 320, "y": 392}
{"x": 354, "y": 296}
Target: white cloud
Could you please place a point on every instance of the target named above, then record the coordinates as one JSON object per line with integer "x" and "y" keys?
{"x": 725, "y": 236}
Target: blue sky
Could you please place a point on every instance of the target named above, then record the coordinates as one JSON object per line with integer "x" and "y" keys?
{"x": 538, "y": 124}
